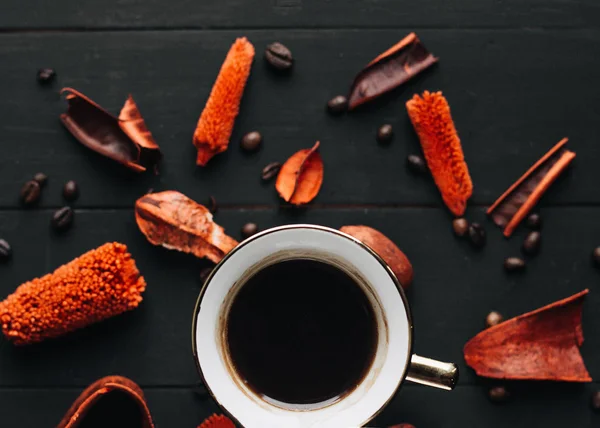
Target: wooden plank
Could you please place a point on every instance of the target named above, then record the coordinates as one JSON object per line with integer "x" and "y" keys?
{"x": 296, "y": 13}
{"x": 455, "y": 287}
{"x": 513, "y": 95}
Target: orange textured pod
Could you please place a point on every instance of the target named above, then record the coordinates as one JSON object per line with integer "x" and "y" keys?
{"x": 216, "y": 122}
{"x": 95, "y": 286}
{"x": 430, "y": 116}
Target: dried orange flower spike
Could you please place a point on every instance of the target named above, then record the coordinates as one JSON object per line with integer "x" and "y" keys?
{"x": 216, "y": 122}
{"x": 95, "y": 286}
{"x": 430, "y": 116}
{"x": 217, "y": 421}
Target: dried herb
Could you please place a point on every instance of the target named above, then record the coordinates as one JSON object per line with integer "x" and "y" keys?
{"x": 539, "y": 345}
{"x": 430, "y": 116}
{"x": 301, "y": 176}
{"x": 386, "y": 249}
{"x": 216, "y": 122}
{"x": 124, "y": 139}
{"x": 217, "y": 421}
{"x": 520, "y": 198}
{"x": 391, "y": 69}
{"x": 98, "y": 285}
{"x": 176, "y": 222}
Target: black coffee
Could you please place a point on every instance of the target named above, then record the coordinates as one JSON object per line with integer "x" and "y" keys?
{"x": 301, "y": 332}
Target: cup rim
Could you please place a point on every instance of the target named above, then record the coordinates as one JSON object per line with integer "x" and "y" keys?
{"x": 275, "y": 229}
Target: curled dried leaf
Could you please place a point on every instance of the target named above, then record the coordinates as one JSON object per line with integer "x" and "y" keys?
{"x": 301, "y": 176}
{"x": 539, "y": 345}
{"x": 176, "y": 222}
{"x": 386, "y": 249}
{"x": 125, "y": 139}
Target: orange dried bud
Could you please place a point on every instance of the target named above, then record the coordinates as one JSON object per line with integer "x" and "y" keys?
{"x": 98, "y": 285}
{"x": 301, "y": 176}
{"x": 217, "y": 421}
{"x": 216, "y": 122}
{"x": 430, "y": 116}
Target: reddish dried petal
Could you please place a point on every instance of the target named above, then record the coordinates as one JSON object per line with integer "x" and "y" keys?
{"x": 539, "y": 345}
{"x": 176, "y": 222}
{"x": 301, "y": 176}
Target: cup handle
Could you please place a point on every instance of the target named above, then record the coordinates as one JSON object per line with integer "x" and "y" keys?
{"x": 432, "y": 373}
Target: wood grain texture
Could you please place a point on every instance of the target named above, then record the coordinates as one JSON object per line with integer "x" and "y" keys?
{"x": 96, "y": 14}
{"x": 513, "y": 94}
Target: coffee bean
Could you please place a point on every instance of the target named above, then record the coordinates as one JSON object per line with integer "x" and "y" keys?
{"x": 41, "y": 178}
{"x": 62, "y": 218}
{"x": 212, "y": 205}
{"x": 270, "y": 171}
{"x": 249, "y": 229}
{"x": 385, "y": 133}
{"x": 532, "y": 242}
{"x": 595, "y": 402}
{"x": 205, "y": 273}
{"x": 416, "y": 164}
{"x": 498, "y": 394}
{"x": 476, "y": 235}
{"x": 514, "y": 264}
{"x": 460, "y": 226}
{"x": 5, "y": 251}
{"x": 70, "y": 191}
{"x": 596, "y": 257}
{"x": 279, "y": 56}
{"x": 534, "y": 221}
{"x": 493, "y": 318}
{"x": 337, "y": 105}
{"x": 30, "y": 193}
{"x": 46, "y": 75}
{"x": 251, "y": 141}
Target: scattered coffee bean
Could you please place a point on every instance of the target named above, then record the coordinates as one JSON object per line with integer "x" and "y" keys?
{"x": 498, "y": 394}
{"x": 514, "y": 264}
{"x": 270, "y": 171}
{"x": 477, "y": 235}
{"x": 249, "y": 229}
{"x": 337, "y": 105}
{"x": 46, "y": 75}
{"x": 70, "y": 191}
{"x": 460, "y": 226}
{"x": 30, "y": 193}
{"x": 205, "y": 273}
{"x": 596, "y": 257}
{"x": 251, "y": 141}
{"x": 41, "y": 178}
{"x": 279, "y": 56}
{"x": 63, "y": 218}
{"x": 385, "y": 133}
{"x": 534, "y": 221}
{"x": 493, "y": 318}
{"x": 5, "y": 251}
{"x": 212, "y": 205}
{"x": 532, "y": 242}
{"x": 416, "y": 164}
{"x": 595, "y": 402}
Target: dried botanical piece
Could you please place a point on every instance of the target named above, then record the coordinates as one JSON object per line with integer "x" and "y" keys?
{"x": 217, "y": 421}
{"x": 176, "y": 222}
{"x": 520, "y": 198}
{"x": 391, "y": 69}
{"x": 98, "y": 285}
{"x": 125, "y": 139}
{"x": 430, "y": 116}
{"x": 386, "y": 249}
{"x": 539, "y": 345}
{"x": 216, "y": 122}
{"x": 301, "y": 176}
{"x": 88, "y": 399}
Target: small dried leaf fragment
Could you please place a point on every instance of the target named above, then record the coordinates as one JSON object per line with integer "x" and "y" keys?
{"x": 301, "y": 176}
{"x": 386, "y": 249}
{"x": 176, "y": 222}
{"x": 217, "y": 421}
{"x": 430, "y": 116}
{"x": 125, "y": 139}
{"x": 218, "y": 117}
{"x": 520, "y": 198}
{"x": 539, "y": 345}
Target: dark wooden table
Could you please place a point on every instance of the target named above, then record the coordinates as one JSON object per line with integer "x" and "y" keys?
{"x": 519, "y": 76}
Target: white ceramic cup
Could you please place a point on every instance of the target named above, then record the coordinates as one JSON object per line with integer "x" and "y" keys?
{"x": 393, "y": 361}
